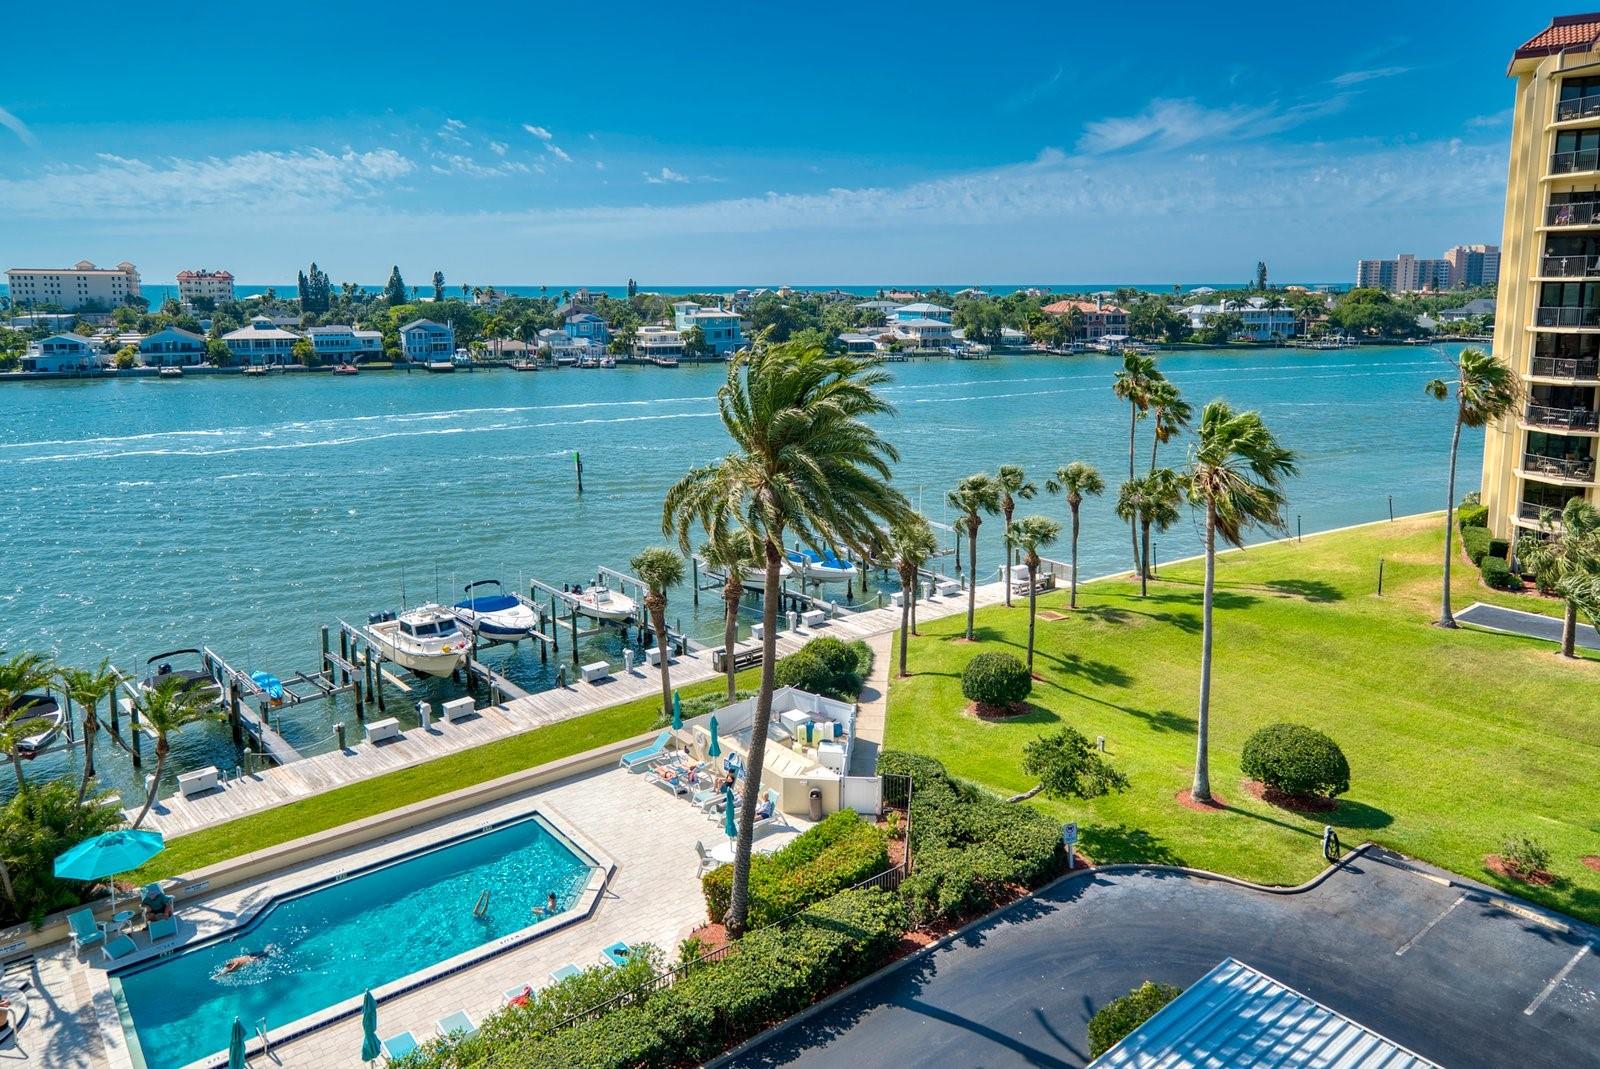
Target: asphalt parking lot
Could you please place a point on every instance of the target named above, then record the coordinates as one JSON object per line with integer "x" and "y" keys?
{"x": 1460, "y": 976}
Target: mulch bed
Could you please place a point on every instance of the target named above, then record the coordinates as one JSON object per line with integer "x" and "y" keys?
{"x": 1217, "y": 804}
{"x": 1295, "y": 803}
{"x": 1592, "y": 861}
{"x": 999, "y": 712}
{"x": 1051, "y": 615}
{"x": 1538, "y": 878}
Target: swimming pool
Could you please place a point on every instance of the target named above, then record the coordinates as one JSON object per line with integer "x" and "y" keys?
{"x": 330, "y": 942}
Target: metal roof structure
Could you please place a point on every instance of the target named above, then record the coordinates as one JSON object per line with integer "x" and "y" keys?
{"x": 1235, "y": 1016}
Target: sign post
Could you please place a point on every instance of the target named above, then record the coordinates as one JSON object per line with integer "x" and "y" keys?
{"x": 1069, "y": 837}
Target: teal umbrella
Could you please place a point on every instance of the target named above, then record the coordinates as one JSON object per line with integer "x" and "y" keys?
{"x": 677, "y": 712}
{"x": 728, "y": 827}
{"x": 236, "y": 1046}
{"x": 370, "y": 1047}
{"x": 108, "y": 854}
{"x": 715, "y": 749}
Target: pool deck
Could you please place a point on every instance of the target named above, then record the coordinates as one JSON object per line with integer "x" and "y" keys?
{"x": 653, "y": 896}
{"x": 362, "y": 760}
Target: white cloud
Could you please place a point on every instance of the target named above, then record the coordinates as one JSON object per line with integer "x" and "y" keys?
{"x": 537, "y": 131}
{"x": 1499, "y": 118}
{"x": 118, "y": 186}
{"x": 497, "y": 147}
{"x": 451, "y": 131}
{"x": 1357, "y": 77}
{"x": 665, "y": 175}
{"x": 599, "y": 165}
{"x": 455, "y": 163}
{"x": 1169, "y": 124}
{"x": 18, "y": 127}
{"x": 557, "y": 151}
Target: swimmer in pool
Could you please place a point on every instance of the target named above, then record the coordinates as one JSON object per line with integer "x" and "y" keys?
{"x": 243, "y": 960}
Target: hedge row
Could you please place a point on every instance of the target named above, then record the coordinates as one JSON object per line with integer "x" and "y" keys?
{"x": 970, "y": 848}
{"x": 839, "y": 852}
{"x": 1488, "y": 553}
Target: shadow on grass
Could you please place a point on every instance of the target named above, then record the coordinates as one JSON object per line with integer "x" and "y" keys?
{"x": 1221, "y": 597}
{"x": 1108, "y": 843}
{"x": 1314, "y": 590}
{"x": 1188, "y": 622}
{"x": 1358, "y": 815}
{"x": 1099, "y": 673}
{"x": 1163, "y": 720}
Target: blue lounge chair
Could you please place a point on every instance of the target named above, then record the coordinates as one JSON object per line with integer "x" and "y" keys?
{"x": 162, "y": 930}
{"x": 566, "y": 971}
{"x": 118, "y": 948}
{"x": 649, "y": 755}
{"x": 85, "y": 932}
{"x": 617, "y": 954}
{"x": 457, "y": 1024}
{"x": 511, "y": 994}
{"x": 397, "y": 1047}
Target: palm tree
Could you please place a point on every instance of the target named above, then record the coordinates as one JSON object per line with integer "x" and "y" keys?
{"x": 1133, "y": 385}
{"x": 19, "y": 675}
{"x": 1485, "y": 391}
{"x": 805, "y": 460}
{"x": 974, "y": 495}
{"x": 1172, "y": 414}
{"x": 87, "y": 687}
{"x": 172, "y": 705}
{"x": 1149, "y": 501}
{"x": 912, "y": 542}
{"x": 1013, "y": 484}
{"x": 1236, "y": 472}
{"x": 1077, "y": 480}
{"x": 1565, "y": 550}
{"x": 735, "y": 554}
{"x": 1032, "y": 533}
{"x": 659, "y": 567}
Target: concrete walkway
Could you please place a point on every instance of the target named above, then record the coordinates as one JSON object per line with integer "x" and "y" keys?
{"x": 872, "y": 707}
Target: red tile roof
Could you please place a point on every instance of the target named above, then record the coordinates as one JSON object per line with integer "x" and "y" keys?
{"x": 1563, "y": 30}
{"x": 185, "y": 275}
{"x": 1086, "y": 307}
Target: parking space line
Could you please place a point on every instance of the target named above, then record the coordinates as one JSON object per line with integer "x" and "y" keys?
{"x": 1555, "y": 981}
{"x": 1409, "y": 943}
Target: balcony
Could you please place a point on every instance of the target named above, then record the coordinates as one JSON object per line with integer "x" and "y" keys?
{"x": 1563, "y": 419}
{"x": 1576, "y": 161}
{"x": 1585, "y": 107}
{"x": 1533, "y": 512}
{"x": 1575, "y": 266}
{"x": 1562, "y": 367}
{"x": 1559, "y": 316}
{"x": 1576, "y": 468}
{"x": 1581, "y": 213}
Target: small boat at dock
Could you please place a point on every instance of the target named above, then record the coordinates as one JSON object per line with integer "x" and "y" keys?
{"x": 254, "y": 371}
{"x": 524, "y": 365}
{"x": 425, "y": 639}
{"x": 600, "y": 602}
{"x": 170, "y": 373}
{"x": 37, "y": 719}
{"x": 494, "y": 615}
{"x": 270, "y": 685}
{"x": 347, "y": 369}
{"x": 824, "y": 567}
{"x": 196, "y": 681}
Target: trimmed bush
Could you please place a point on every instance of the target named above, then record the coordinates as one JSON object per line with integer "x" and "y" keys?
{"x": 1499, "y": 547}
{"x": 1473, "y": 515}
{"x": 1296, "y": 760}
{"x": 996, "y": 680}
{"x": 1117, "y": 1019}
{"x": 827, "y": 666}
{"x": 1497, "y": 573}
{"x": 841, "y": 851}
{"x": 1475, "y": 542}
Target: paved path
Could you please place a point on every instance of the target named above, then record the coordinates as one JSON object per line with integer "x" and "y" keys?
{"x": 1443, "y": 970}
{"x": 872, "y": 706}
{"x": 1527, "y": 624}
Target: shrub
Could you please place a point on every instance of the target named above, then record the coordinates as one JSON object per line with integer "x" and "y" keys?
{"x": 840, "y": 851}
{"x": 827, "y": 666}
{"x": 1473, "y": 515}
{"x": 1497, "y": 573}
{"x": 1296, "y": 760}
{"x": 1475, "y": 542}
{"x": 35, "y": 826}
{"x": 1524, "y": 855}
{"x": 1117, "y": 1019}
{"x": 1499, "y": 547}
{"x": 996, "y": 680}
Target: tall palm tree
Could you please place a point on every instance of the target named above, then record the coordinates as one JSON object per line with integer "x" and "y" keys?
{"x": 1133, "y": 384}
{"x": 1013, "y": 484}
{"x": 1486, "y": 390}
{"x": 974, "y": 495}
{"x": 1149, "y": 501}
{"x": 19, "y": 675}
{"x": 1235, "y": 474}
{"x": 1565, "y": 550}
{"x": 660, "y": 568}
{"x": 88, "y": 687}
{"x": 911, "y": 541}
{"x": 1033, "y": 533}
{"x": 806, "y": 460}
{"x": 167, "y": 708}
{"x": 1077, "y": 480}
{"x": 1171, "y": 414}
{"x": 735, "y": 554}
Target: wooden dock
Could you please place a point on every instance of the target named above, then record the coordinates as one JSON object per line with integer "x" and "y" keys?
{"x": 362, "y": 760}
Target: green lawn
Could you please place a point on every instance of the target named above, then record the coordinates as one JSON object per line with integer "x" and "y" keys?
{"x": 1456, "y": 739}
{"x": 405, "y": 786}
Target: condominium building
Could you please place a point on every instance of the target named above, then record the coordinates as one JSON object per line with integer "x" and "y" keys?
{"x": 1547, "y": 315}
{"x": 214, "y": 286}
{"x": 1473, "y": 265}
{"x": 83, "y": 287}
{"x": 1403, "y": 274}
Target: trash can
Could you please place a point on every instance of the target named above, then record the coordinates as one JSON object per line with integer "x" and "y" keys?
{"x": 816, "y": 803}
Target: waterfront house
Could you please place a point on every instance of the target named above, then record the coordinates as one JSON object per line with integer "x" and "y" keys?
{"x": 261, "y": 343}
{"x": 910, "y": 313}
{"x": 924, "y": 334}
{"x": 865, "y": 343}
{"x": 422, "y": 341}
{"x": 172, "y": 347}
{"x": 1097, "y": 317}
{"x": 720, "y": 327}
{"x": 1260, "y": 322}
{"x": 882, "y": 308}
{"x": 561, "y": 347}
{"x": 657, "y": 343}
{"x": 342, "y": 344}
{"x": 1012, "y": 338}
{"x": 587, "y": 328}
{"x": 1483, "y": 306}
{"x": 61, "y": 353}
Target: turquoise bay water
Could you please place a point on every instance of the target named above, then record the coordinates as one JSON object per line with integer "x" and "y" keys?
{"x": 333, "y": 943}
{"x": 145, "y": 515}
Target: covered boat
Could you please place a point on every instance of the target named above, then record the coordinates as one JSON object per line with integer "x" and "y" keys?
{"x": 494, "y": 614}
{"x": 824, "y": 567}
{"x": 37, "y": 718}
{"x": 198, "y": 681}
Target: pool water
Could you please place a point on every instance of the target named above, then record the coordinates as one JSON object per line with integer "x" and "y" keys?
{"x": 337, "y": 940}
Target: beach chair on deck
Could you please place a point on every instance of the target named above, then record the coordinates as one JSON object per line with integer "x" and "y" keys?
{"x": 162, "y": 929}
{"x": 118, "y": 948}
{"x": 565, "y": 972}
{"x": 707, "y": 862}
{"x": 649, "y": 755}
{"x": 457, "y": 1024}
{"x": 85, "y": 932}
{"x": 398, "y": 1046}
{"x": 768, "y": 798}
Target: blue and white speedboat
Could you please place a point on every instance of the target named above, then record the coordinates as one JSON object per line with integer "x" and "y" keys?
{"x": 824, "y": 567}
{"x": 497, "y": 616}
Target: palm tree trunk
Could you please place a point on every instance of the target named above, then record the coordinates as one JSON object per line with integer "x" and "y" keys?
{"x": 1446, "y": 619}
{"x": 16, "y": 767}
{"x": 1074, "y": 595}
{"x": 1569, "y": 630}
{"x": 1155, "y": 443}
{"x": 155, "y": 781}
{"x": 972, "y": 563}
{"x": 907, "y": 595}
{"x": 739, "y": 895}
{"x": 1033, "y": 604}
{"x": 90, "y": 725}
{"x": 5, "y": 882}
{"x": 1144, "y": 558}
{"x": 1007, "y": 541}
{"x": 658, "y": 620}
{"x": 730, "y": 633}
{"x": 1201, "y": 790}
{"x": 1133, "y": 425}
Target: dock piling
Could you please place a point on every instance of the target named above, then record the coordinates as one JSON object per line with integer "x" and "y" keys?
{"x": 327, "y": 666}
{"x": 344, "y": 655}
{"x": 233, "y": 712}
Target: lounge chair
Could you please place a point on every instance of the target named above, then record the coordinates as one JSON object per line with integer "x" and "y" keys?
{"x": 456, "y": 1024}
{"x": 397, "y": 1047}
{"x": 162, "y": 929}
{"x": 616, "y": 955}
{"x": 156, "y": 902}
{"x": 775, "y": 817}
{"x": 669, "y": 777}
{"x": 118, "y": 948}
{"x": 521, "y": 991}
{"x": 649, "y": 755}
{"x": 707, "y": 862}
{"x": 85, "y": 932}
{"x": 565, "y": 972}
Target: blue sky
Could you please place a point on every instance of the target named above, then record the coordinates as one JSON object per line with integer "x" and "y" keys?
{"x": 712, "y": 143}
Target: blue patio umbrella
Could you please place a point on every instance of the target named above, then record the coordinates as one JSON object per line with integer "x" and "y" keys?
{"x": 715, "y": 749}
{"x": 370, "y": 1047}
{"x": 677, "y": 712}
{"x": 729, "y": 828}
{"x": 236, "y": 1046}
{"x": 108, "y": 854}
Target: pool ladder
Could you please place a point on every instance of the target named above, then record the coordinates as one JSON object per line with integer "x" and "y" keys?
{"x": 482, "y": 907}
{"x": 261, "y": 1030}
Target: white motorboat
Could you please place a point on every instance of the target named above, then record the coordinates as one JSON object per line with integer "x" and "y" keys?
{"x": 824, "y": 567}
{"x": 462, "y": 359}
{"x": 425, "y": 639}
{"x": 602, "y": 603}
{"x": 37, "y": 719}
{"x": 755, "y": 578}
{"x": 496, "y": 616}
{"x": 196, "y": 681}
